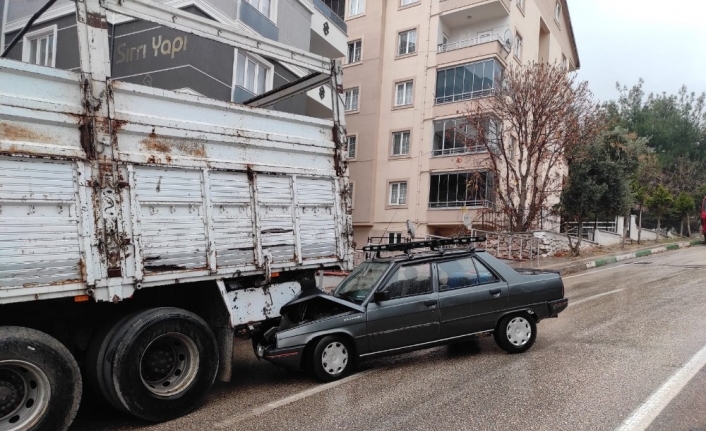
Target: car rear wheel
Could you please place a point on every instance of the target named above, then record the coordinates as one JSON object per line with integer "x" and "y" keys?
{"x": 516, "y": 333}
{"x": 332, "y": 358}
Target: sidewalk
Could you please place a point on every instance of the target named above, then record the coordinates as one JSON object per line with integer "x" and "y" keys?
{"x": 606, "y": 256}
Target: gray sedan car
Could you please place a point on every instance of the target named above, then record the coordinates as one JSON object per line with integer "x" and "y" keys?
{"x": 412, "y": 301}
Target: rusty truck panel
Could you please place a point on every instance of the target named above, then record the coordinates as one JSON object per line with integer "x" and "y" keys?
{"x": 107, "y": 187}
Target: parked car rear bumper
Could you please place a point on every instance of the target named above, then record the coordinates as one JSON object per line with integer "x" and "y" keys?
{"x": 556, "y": 307}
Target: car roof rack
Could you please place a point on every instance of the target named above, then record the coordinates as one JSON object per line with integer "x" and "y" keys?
{"x": 434, "y": 244}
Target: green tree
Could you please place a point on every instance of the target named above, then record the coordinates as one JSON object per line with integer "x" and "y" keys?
{"x": 596, "y": 185}
{"x": 684, "y": 206}
{"x": 661, "y": 201}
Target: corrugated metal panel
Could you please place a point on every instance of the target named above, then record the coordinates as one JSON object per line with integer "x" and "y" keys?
{"x": 275, "y": 212}
{"x": 232, "y": 219}
{"x": 171, "y": 217}
{"x": 39, "y": 224}
{"x": 317, "y": 223}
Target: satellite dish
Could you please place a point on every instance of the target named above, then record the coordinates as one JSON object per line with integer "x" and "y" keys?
{"x": 468, "y": 221}
{"x": 508, "y": 40}
{"x": 411, "y": 229}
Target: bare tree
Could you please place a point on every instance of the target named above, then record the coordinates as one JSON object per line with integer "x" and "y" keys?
{"x": 529, "y": 125}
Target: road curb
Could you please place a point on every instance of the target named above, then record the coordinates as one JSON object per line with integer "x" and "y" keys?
{"x": 577, "y": 267}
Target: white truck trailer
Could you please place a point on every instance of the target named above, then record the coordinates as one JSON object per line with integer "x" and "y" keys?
{"x": 141, "y": 228}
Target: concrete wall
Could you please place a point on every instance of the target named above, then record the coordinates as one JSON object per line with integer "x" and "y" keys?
{"x": 550, "y": 243}
{"x": 294, "y": 22}
{"x": 604, "y": 238}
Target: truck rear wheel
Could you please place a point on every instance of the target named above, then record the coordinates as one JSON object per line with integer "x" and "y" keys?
{"x": 40, "y": 383}
{"x": 160, "y": 363}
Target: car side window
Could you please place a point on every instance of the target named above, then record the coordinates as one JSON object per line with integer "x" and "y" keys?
{"x": 409, "y": 281}
{"x": 485, "y": 275}
{"x": 456, "y": 274}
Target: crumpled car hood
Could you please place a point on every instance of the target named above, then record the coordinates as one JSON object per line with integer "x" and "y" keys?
{"x": 315, "y": 294}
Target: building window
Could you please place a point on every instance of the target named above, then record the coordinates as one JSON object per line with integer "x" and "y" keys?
{"x": 407, "y": 42}
{"x": 394, "y": 238}
{"x": 337, "y": 6}
{"x": 467, "y": 81}
{"x": 403, "y": 93}
{"x": 564, "y": 62}
{"x": 518, "y": 46}
{"x": 456, "y": 136}
{"x": 351, "y": 144}
{"x": 557, "y": 12}
{"x": 521, "y": 4}
{"x": 356, "y": 7}
{"x": 350, "y": 100}
{"x": 408, "y": 2}
{"x": 400, "y": 143}
{"x": 264, "y": 6}
{"x": 460, "y": 189}
{"x": 39, "y": 47}
{"x": 354, "y": 51}
{"x": 398, "y": 193}
{"x": 250, "y": 74}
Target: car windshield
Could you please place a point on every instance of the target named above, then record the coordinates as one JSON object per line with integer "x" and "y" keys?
{"x": 357, "y": 286}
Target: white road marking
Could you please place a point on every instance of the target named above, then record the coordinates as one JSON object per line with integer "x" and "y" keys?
{"x": 580, "y": 301}
{"x": 643, "y": 416}
{"x": 596, "y": 271}
{"x": 289, "y": 400}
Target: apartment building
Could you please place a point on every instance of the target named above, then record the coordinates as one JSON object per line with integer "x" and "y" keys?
{"x": 148, "y": 54}
{"x": 412, "y": 69}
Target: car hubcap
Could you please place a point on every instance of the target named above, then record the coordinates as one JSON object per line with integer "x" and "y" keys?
{"x": 24, "y": 395}
{"x": 169, "y": 364}
{"x": 519, "y": 331}
{"x": 334, "y": 358}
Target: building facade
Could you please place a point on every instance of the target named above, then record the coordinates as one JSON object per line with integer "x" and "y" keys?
{"x": 412, "y": 69}
{"x": 148, "y": 54}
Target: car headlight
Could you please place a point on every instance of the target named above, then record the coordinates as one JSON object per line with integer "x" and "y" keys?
{"x": 260, "y": 350}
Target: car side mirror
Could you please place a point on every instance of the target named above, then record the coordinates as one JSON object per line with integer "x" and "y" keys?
{"x": 381, "y": 296}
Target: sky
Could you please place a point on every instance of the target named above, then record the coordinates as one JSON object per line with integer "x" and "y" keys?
{"x": 661, "y": 41}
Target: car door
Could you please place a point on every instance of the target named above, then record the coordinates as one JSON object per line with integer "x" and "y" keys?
{"x": 410, "y": 316}
{"x": 490, "y": 297}
{"x": 458, "y": 283}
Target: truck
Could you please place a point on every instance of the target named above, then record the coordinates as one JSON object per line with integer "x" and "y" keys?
{"x": 142, "y": 229}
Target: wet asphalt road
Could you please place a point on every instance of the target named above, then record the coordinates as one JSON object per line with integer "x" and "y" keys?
{"x": 629, "y": 328}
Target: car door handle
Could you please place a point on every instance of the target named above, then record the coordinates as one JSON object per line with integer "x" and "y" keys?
{"x": 495, "y": 292}
{"x": 431, "y": 303}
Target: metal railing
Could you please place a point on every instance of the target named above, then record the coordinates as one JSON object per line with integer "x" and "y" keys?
{"x": 451, "y": 46}
{"x": 330, "y": 14}
{"x": 459, "y": 97}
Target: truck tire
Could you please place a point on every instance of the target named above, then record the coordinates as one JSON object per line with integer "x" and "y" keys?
{"x": 40, "y": 383}
{"x": 160, "y": 363}
{"x": 95, "y": 371}
{"x": 516, "y": 333}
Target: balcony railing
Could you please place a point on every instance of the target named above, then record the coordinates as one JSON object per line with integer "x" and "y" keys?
{"x": 459, "y": 97}
{"x": 330, "y": 14}
{"x": 452, "y": 151}
{"x": 473, "y": 203}
{"x": 470, "y": 42}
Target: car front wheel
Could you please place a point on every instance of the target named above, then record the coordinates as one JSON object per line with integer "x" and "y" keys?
{"x": 332, "y": 358}
{"x": 516, "y": 333}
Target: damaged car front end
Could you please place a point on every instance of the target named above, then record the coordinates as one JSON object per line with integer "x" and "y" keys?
{"x": 314, "y": 314}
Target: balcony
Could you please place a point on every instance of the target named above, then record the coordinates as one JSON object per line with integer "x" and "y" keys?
{"x": 466, "y": 5}
{"x": 471, "y": 49}
{"x": 328, "y": 32}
